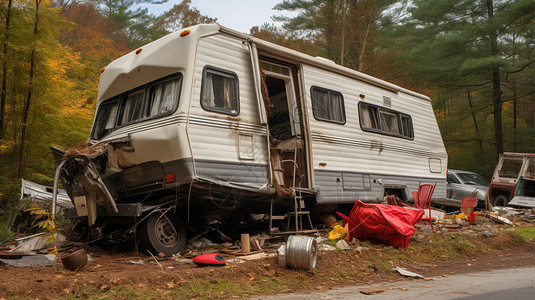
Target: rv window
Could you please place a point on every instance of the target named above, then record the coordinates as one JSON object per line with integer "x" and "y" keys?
{"x": 386, "y": 121}
{"x": 389, "y": 122}
{"x": 163, "y": 97}
{"x": 328, "y": 105}
{"x": 105, "y": 119}
{"x": 406, "y": 126}
{"x": 219, "y": 91}
{"x": 132, "y": 108}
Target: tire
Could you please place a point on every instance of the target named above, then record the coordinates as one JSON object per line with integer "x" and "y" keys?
{"x": 501, "y": 200}
{"x": 162, "y": 233}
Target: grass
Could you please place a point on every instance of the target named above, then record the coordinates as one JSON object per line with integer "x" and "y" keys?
{"x": 522, "y": 234}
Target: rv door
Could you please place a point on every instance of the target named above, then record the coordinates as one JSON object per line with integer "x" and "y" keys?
{"x": 257, "y": 81}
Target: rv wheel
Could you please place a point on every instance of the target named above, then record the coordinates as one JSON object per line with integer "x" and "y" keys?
{"x": 501, "y": 200}
{"x": 163, "y": 233}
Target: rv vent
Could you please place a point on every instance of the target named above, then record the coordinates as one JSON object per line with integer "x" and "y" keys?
{"x": 387, "y": 101}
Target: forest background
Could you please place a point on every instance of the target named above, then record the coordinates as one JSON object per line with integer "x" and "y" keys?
{"x": 474, "y": 58}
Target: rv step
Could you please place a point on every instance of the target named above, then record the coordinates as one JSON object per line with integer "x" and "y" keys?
{"x": 304, "y": 212}
{"x": 278, "y": 217}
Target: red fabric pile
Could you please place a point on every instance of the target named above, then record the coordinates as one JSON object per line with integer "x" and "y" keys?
{"x": 388, "y": 224}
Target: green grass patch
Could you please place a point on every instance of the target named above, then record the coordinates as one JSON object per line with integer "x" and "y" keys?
{"x": 379, "y": 265}
{"x": 522, "y": 234}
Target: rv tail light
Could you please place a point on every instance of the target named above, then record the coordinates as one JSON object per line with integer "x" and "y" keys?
{"x": 102, "y": 71}
{"x": 170, "y": 178}
{"x": 184, "y": 33}
{"x": 139, "y": 50}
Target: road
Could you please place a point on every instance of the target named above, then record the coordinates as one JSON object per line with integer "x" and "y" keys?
{"x": 514, "y": 283}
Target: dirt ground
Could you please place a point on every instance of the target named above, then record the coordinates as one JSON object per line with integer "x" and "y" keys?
{"x": 111, "y": 274}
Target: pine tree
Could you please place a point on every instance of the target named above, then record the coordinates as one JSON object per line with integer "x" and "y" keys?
{"x": 462, "y": 45}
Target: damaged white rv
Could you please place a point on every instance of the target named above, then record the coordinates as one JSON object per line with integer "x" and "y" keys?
{"x": 208, "y": 122}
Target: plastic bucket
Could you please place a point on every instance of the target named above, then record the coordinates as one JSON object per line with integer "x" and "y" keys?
{"x": 301, "y": 252}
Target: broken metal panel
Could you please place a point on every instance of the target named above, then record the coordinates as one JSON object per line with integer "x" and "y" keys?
{"x": 43, "y": 194}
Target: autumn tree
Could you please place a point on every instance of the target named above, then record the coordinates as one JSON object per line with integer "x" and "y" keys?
{"x": 6, "y": 11}
{"x": 182, "y": 15}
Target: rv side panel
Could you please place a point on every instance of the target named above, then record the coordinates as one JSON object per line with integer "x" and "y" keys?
{"x": 351, "y": 163}
{"x": 228, "y": 145}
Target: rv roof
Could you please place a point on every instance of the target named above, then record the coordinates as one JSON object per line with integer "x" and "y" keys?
{"x": 157, "y": 61}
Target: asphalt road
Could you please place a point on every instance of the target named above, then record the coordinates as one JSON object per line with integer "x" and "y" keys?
{"x": 515, "y": 283}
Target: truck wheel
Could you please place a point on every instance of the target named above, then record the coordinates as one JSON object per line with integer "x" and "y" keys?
{"x": 501, "y": 200}
{"x": 163, "y": 233}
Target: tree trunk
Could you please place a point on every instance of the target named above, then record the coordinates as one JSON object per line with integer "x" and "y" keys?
{"x": 28, "y": 102}
{"x": 475, "y": 123}
{"x": 3, "y": 93}
{"x": 343, "y": 32}
{"x": 496, "y": 85}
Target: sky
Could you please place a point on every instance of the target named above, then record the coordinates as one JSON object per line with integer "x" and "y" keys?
{"x": 239, "y": 15}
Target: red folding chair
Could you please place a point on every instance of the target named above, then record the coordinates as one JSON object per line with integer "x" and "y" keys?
{"x": 422, "y": 201}
{"x": 467, "y": 208}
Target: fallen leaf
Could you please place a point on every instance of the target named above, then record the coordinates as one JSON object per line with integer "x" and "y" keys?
{"x": 404, "y": 289}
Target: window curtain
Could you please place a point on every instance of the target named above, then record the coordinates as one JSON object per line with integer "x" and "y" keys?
{"x": 164, "y": 97}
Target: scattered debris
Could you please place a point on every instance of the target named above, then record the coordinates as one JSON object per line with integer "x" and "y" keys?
{"x": 407, "y": 273}
{"x": 499, "y": 219}
{"x": 137, "y": 262}
{"x": 37, "y": 242}
{"x": 341, "y": 244}
{"x": 388, "y": 224}
{"x": 75, "y": 260}
{"x": 338, "y": 232}
{"x": 209, "y": 260}
{"x": 42, "y": 195}
{"x": 36, "y": 260}
{"x": 301, "y": 252}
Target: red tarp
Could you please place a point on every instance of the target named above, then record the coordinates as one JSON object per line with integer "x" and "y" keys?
{"x": 388, "y": 224}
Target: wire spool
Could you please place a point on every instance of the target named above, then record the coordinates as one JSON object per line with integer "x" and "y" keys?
{"x": 301, "y": 252}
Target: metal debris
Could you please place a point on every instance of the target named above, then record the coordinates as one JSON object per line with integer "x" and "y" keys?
{"x": 407, "y": 273}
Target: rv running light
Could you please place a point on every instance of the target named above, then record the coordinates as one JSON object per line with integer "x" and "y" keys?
{"x": 184, "y": 33}
{"x": 170, "y": 178}
{"x": 139, "y": 50}
{"x": 102, "y": 71}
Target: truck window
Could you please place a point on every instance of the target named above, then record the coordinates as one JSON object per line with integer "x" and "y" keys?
{"x": 510, "y": 168}
{"x": 219, "y": 91}
{"x": 327, "y": 105}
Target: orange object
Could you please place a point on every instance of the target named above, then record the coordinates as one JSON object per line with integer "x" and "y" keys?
{"x": 169, "y": 178}
{"x": 184, "y": 33}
